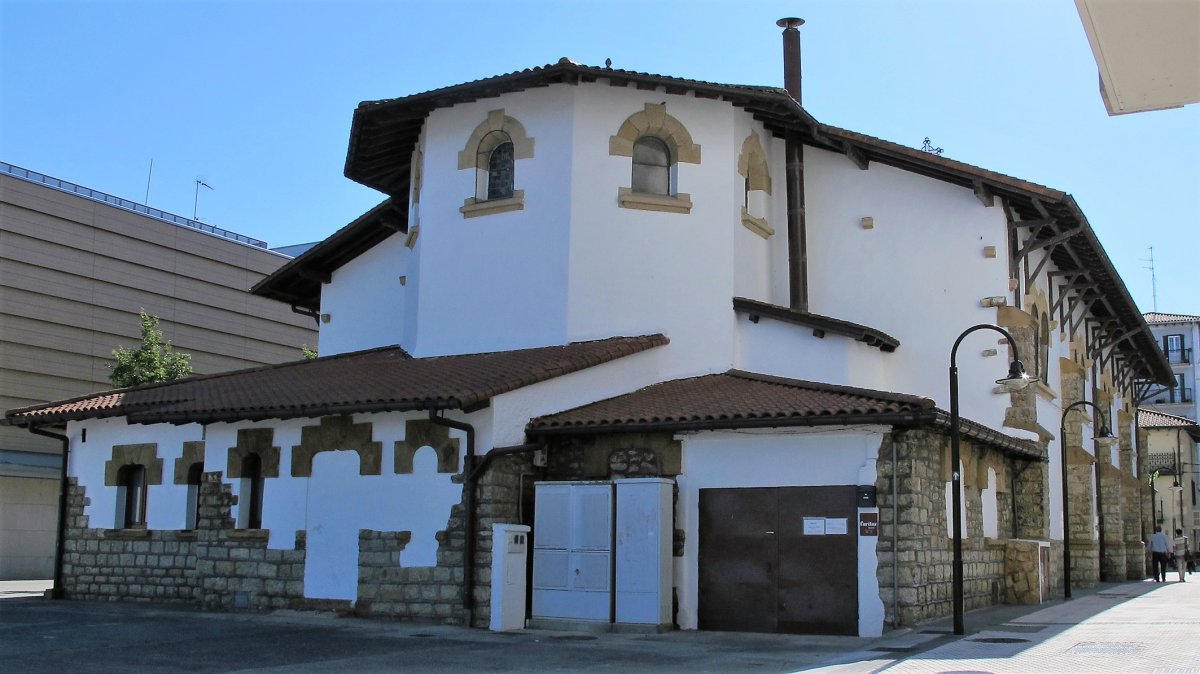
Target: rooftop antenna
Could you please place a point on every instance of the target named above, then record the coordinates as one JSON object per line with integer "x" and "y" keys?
{"x": 1153, "y": 279}
{"x": 196, "y": 202}
{"x": 146, "y": 201}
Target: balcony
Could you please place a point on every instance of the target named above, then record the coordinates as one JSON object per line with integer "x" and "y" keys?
{"x": 1174, "y": 395}
{"x": 1163, "y": 463}
{"x": 1179, "y": 356}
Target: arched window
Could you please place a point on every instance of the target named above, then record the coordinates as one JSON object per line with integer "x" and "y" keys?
{"x": 1044, "y": 346}
{"x": 131, "y": 496}
{"x": 651, "y": 166}
{"x": 500, "y": 171}
{"x": 250, "y": 499}
{"x": 1037, "y": 342}
{"x": 193, "y": 494}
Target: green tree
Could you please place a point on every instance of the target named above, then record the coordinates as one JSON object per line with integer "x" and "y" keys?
{"x": 153, "y": 362}
{"x": 309, "y": 352}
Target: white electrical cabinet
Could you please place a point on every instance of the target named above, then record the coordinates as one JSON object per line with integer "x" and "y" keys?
{"x": 585, "y": 533}
{"x": 643, "y": 551}
{"x": 509, "y": 556}
{"x": 572, "y": 551}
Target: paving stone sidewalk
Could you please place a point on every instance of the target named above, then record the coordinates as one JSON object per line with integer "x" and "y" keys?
{"x": 1131, "y": 627}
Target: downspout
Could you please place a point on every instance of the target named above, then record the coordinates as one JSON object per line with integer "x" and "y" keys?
{"x": 895, "y": 542}
{"x": 471, "y": 474}
{"x": 468, "y": 598}
{"x": 58, "y": 591}
{"x": 794, "y": 157}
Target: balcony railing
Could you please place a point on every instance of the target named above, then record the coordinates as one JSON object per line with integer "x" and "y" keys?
{"x": 1169, "y": 396}
{"x": 88, "y": 193}
{"x": 1163, "y": 463}
{"x": 1178, "y": 356}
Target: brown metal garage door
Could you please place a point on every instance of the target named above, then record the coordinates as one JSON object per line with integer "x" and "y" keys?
{"x": 761, "y": 572}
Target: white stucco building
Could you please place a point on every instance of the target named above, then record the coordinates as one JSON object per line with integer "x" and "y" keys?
{"x": 674, "y": 326}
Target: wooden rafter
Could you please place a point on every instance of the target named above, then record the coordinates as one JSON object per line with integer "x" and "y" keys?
{"x": 983, "y": 193}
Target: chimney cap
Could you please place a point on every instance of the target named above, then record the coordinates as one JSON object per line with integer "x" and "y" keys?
{"x": 790, "y": 22}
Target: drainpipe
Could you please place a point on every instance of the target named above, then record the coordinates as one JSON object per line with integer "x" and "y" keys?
{"x": 794, "y": 178}
{"x": 58, "y": 591}
{"x": 895, "y": 542}
{"x": 468, "y": 599}
{"x": 471, "y": 474}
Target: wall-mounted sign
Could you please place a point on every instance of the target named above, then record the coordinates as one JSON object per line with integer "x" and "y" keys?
{"x": 814, "y": 526}
{"x": 837, "y": 525}
{"x": 868, "y": 524}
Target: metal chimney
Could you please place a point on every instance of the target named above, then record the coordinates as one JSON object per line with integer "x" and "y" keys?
{"x": 791, "y": 55}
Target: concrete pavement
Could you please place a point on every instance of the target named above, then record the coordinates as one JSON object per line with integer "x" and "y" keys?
{"x": 1129, "y": 627}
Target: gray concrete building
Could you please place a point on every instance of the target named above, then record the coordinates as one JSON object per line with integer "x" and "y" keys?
{"x": 76, "y": 267}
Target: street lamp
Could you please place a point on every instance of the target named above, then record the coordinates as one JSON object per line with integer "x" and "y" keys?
{"x": 1015, "y": 381}
{"x": 1103, "y": 440}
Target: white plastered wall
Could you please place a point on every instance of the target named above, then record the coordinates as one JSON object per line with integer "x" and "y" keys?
{"x": 776, "y": 458}
{"x": 166, "y": 503}
{"x": 636, "y": 271}
{"x": 931, "y": 236}
{"x": 497, "y": 281}
{"x": 331, "y": 506}
{"x": 365, "y": 299}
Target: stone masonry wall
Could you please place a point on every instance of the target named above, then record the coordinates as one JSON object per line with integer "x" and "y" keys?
{"x": 214, "y": 566}
{"x": 1112, "y": 527}
{"x": 435, "y": 593}
{"x": 923, "y": 554}
{"x": 136, "y": 564}
{"x": 237, "y": 570}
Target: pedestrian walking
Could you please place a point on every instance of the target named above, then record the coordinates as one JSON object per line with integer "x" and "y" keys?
{"x": 1181, "y": 554}
{"x": 1160, "y": 546}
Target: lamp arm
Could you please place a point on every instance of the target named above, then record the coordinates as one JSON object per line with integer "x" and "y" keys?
{"x": 983, "y": 326}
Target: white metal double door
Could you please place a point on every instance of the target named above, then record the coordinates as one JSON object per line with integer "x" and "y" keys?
{"x": 572, "y": 555}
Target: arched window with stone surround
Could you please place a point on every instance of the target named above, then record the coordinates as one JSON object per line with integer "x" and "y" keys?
{"x": 1037, "y": 342}
{"x": 1044, "y": 347}
{"x": 752, "y": 166}
{"x": 493, "y": 150}
{"x": 131, "y": 496}
{"x": 656, "y": 144}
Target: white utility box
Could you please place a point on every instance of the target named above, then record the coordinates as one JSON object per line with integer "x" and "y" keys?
{"x": 643, "y": 551}
{"x": 510, "y": 552}
{"x": 572, "y": 551}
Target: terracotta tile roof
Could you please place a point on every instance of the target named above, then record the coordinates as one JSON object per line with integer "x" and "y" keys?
{"x": 738, "y": 399}
{"x": 1153, "y": 419}
{"x": 1156, "y": 318}
{"x": 377, "y": 380}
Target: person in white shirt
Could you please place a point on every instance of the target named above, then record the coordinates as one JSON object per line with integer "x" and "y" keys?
{"x": 1181, "y": 553}
{"x": 1160, "y": 547}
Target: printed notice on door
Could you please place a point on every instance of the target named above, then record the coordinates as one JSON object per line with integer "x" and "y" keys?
{"x": 814, "y": 526}
{"x": 836, "y": 526}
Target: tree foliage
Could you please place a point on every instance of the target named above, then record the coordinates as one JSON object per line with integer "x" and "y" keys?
{"x": 153, "y": 362}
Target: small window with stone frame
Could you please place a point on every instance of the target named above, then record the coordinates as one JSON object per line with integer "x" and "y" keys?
{"x": 131, "y": 496}
{"x": 250, "y": 496}
{"x": 195, "y": 471}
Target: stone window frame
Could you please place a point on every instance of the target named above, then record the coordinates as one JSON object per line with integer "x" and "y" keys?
{"x": 144, "y": 455}
{"x": 189, "y": 470}
{"x": 496, "y": 129}
{"x": 756, "y": 177}
{"x": 337, "y": 433}
{"x": 259, "y": 443}
{"x": 654, "y": 121}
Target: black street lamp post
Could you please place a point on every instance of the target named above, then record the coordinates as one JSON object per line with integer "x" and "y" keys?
{"x": 1016, "y": 380}
{"x": 1104, "y": 440}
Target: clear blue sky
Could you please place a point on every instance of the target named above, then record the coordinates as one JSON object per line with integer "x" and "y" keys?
{"x": 256, "y": 96}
